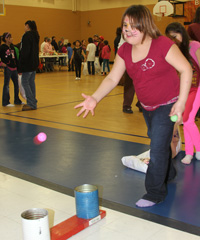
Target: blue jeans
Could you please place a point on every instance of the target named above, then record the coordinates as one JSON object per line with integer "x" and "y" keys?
{"x": 106, "y": 63}
{"x": 89, "y": 69}
{"x": 8, "y": 74}
{"x": 28, "y": 83}
{"x": 160, "y": 168}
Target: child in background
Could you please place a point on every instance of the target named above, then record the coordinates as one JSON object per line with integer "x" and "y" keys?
{"x": 106, "y": 51}
{"x": 70, "y": 51}
{"x": 9, "y": 61}
{"x": 64, "y": 50}
{"x": 100, "y": 47}
{"x": 152, "y": 61}
{"x": 78, "y": 56}
{"x": 84, "y": 45}
{"x": 90, "y": 54}
{"x": 191, "y": 50}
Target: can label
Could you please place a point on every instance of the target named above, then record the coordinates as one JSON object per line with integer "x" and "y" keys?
{"x": 94, "y": 220}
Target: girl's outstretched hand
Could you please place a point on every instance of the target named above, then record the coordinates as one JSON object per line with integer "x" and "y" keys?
{"x": 88, "y": 105}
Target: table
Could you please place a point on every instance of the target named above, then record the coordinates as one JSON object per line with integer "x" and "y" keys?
{"x": 57, "y": 57}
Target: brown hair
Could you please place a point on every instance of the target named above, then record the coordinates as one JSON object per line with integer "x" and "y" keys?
{"x": 142, "y": 20}
{"x": 6, "y": 35}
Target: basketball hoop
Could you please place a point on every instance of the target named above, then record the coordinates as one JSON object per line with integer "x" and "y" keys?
{"x": 162, "y": 9}
{"x": 159, "y": 15}
{"x": 196, "y": 2}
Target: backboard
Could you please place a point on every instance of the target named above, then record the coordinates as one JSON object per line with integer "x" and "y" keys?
{"x": 163, "y": 8}
{"x": 2, "y": 8}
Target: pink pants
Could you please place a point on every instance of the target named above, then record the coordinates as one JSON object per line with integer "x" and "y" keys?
{"x": 191, "y": 131}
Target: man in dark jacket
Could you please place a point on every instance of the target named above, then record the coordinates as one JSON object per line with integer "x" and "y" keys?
{"x": 28, "y": 63}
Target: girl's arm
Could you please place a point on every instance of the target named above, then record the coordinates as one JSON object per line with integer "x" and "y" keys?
{"x": 106, "y": 86}
{"x": 175, "y": 58}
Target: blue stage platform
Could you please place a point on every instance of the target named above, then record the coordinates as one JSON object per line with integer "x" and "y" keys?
{"x": 69, "y": 159}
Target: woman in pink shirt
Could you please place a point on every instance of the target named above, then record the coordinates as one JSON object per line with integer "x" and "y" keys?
{"x": 48, "y": 47}
{"x": 152, "y": 61}
{"x": 49, "y": 62}
{"x": 106, "y": 51}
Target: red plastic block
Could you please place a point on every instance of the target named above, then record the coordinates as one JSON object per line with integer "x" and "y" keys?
{"x": 72, "y": 226}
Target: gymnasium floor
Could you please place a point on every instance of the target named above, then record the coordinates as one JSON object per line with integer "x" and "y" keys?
{"x": 79, "y": 151}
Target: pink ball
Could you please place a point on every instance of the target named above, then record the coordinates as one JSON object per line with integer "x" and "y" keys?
{"x": 42, "y": 137}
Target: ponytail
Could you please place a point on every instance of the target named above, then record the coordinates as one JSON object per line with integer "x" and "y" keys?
{"x": 32, "y": 25}
{"x": 106, "y": 43}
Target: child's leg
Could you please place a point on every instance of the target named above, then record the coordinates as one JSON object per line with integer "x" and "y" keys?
{"x": 79, "y": 69}
{"x": 108, "y": 65}
{"x": 160, "y": 130}
{"x": 93, "y": 68}
{"x": 191, "y": 131}
{"x": 76, "y": 67}
{"x": 6, "y": 93}
{"x": 104, "y": 64}
{"x": 88, "y": 65}
{"x": 14, "y": 78}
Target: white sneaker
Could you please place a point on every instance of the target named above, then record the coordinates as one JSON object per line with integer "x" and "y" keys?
{"x": 10, "y": 105}
{"x": 76, "y": 78}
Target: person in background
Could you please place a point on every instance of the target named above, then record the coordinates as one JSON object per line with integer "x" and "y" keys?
{"x": 28, "y": 63}
{"x": 191, "y": 50}
{"x": 129, "y": 90}
{"x": 10, "y": 62}
{"x": 43, "y": 44}
{"x": 90, "y": 55}
{"x": 194, "y": 28}
{"x": 106, "y": 51}
{"x": 54, "y": 44}
{"x": 78, "y": 56}
{"x": 152, "y": 61}
{"x": 117, "y": 39}
{"x": 48, "y": 49}
{"x": 100, "y": 47}
{"x": 64, "y": 50}
{"x": 60, "y": 46}
{"x": 194, "y": 33}
{"x": 70, "y": 52}
{"x": 96, "y": 42}
{"x": 84, "y": 45}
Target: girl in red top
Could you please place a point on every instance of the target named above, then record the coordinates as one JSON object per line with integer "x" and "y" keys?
{"x": 106, "y": 51}
{"x": 151, "y": 60}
